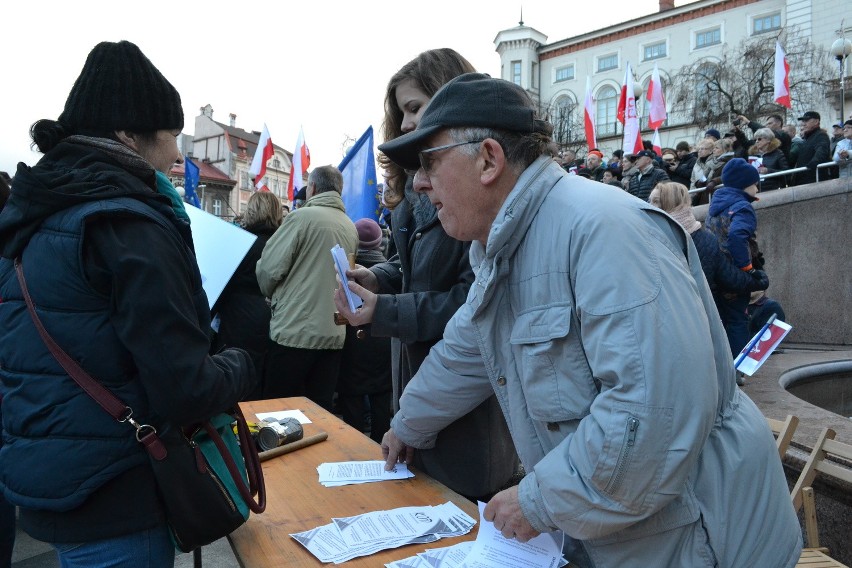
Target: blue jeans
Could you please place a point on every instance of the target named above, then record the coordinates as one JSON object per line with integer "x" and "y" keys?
{"x": 152, "y": 548}
{"x": 735, "y": 319}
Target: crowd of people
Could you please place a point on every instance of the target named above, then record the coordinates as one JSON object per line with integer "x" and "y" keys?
{"x": 772, "y": 148}
{"x": 519, "y": 320}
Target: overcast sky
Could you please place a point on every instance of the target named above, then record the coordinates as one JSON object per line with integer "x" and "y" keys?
{"x": 321, "y": 64}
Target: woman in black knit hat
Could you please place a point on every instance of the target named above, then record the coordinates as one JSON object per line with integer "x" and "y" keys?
{"x": 107, "y": 255}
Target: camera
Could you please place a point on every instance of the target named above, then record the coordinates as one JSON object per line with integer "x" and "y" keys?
{"x": 737, "y": 122}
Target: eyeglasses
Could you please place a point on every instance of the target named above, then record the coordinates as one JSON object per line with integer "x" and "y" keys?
{"x": 760, "y": 138}
{"x": 426, "y": 158}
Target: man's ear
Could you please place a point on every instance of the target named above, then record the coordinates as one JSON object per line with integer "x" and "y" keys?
{"x": 129, "y": 139}
{"x": 493, "y": 161}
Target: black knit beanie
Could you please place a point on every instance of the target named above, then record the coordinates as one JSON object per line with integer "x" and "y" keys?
{"x": 120, "y": 89}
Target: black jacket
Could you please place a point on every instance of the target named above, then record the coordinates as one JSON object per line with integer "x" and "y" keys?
{"x": 641, "y": 185}
{"x": 814, "y": 151}
{"x": 113, "y": 272}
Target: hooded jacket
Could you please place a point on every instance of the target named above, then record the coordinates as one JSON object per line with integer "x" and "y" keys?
{"x": 112, "y": 272}
{"x": 732, "y": 219}
{"x": 584, "y": 304}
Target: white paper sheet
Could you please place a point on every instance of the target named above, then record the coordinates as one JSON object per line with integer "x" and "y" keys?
{"x": 352, "y": 472}
{"x": 492, "y": 550}
{"x": 281, "y": 414}
{"x": 219, "y": 249}
{"x": 342, "y": 265}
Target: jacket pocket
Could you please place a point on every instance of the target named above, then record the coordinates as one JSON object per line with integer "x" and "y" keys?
{"x": 635, "y": 451}
{"x": 554, "y": 374}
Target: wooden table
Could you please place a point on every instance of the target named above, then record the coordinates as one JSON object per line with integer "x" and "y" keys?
{"x": 295, "y": 500}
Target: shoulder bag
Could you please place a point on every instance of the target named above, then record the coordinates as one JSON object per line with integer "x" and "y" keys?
{"x": 201, "y": 471}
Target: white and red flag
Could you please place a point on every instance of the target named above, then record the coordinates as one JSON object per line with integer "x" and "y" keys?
{"x": 657, "y": 113}
{"x": 627, "y": 115}
{"x": 589, "y": 116}
{"x": 782, "y": 78}
{"x": 761, "y": 346}
{"x": 655, "y": 141}
{"x": 301, "y": 162}
{"x": 262, "y": 155}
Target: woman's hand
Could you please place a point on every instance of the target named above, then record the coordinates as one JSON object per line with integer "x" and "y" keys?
{"x": 362, "y": 315}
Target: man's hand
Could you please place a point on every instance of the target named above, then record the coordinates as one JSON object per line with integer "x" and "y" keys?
{"x": 394, "y": 451}
{"x": 504, "y": 510}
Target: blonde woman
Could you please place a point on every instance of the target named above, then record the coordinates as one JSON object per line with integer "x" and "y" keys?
{"x": 242, "y": 309}
{"x": 721, "y": 273}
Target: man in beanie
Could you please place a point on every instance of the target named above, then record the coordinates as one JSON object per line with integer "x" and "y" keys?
{"x": 106, "y": 252}
{"x": 585, "y": 303}
{"x": 733, "y": 220}
{"x": 296, "y": 271}
{"x": 364, "y": 385}
{"x": 594, "y": 167}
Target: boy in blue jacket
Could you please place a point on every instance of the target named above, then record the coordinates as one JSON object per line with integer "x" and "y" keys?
{"x": 732, "y": 219}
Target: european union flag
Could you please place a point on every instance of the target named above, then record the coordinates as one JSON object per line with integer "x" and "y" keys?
{"x": 190, "y": 177}
{"x": 360, "y": 193}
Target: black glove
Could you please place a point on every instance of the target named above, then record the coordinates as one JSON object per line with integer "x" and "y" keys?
{"x": 761, "y": 280}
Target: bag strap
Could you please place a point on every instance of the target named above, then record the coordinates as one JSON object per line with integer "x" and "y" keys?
{"x": 147, "y": 434}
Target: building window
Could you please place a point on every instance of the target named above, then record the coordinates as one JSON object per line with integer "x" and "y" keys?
{"x": 655, "y": 51}
{"x": 276, "y": 163}
{"x": 534, "y": 75}
{"x": 768, "y": 23}
{"x": 244, "y": 180}
{"x": 607, "y": 62}
{"x": 708, "y": 37}
{"x": 217, "y": 207}
{"x": 607, "y": 105}
{"x": 516, "y": 72}
{"x": 562, "y": 119}
{"x": 564, "y": 74}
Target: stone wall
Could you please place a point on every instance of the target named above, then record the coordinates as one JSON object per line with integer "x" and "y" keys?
{"x": 806, "y": 237}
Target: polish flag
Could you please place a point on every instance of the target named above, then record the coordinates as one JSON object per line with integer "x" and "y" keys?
{"x": 301, "y": 162}
{"x": 262, "y": 155}
{"x": 782, "y": 78}
{"x": 655, "y": 141}
{"x": 589, "y": 116}
{"x": 627, "y": 115}
{"x": 657, "y": 114}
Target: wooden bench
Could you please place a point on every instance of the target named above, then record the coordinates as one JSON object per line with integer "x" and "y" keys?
{"x": 803, "y": 496}
{"x": 783, "y": 430}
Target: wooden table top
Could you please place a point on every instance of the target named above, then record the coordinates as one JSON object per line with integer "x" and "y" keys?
{"x": 296, "y": 502}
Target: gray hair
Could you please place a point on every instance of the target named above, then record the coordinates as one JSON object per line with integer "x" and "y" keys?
{"x": 764, "y": 133}
{"x": 521, "y": 149}
{"x": 326, "y": 178}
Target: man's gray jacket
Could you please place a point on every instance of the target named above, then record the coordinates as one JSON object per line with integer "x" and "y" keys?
{"x": 591, "y": 319}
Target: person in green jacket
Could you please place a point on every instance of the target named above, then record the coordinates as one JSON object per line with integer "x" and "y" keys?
{"x": 297, "y": 272}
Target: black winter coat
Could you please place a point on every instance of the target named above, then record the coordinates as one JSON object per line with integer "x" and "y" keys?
{"x": 124, "y": 299}
{"x": 814, "y": 151}
{"x": 642, "y": 185}
{"x": 365, "y": 364}
{"x": 244, "y": 311}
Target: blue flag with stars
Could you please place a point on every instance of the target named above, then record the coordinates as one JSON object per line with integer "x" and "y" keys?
{"x": 190, "y": 178}
{"x": 360, "y": 192}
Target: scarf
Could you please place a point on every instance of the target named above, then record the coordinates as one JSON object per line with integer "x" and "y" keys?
{"x": 684, "y": 216}
{"x": 131, "y": 161}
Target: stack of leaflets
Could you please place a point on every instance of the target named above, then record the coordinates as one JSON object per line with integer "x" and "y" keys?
{"x": 491, "y": 549}
{"x": 347, "y": 538}
{"x": 348, "y": 473}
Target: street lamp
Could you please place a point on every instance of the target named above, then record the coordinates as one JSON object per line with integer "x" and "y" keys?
{"x": 841, "y": 49}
